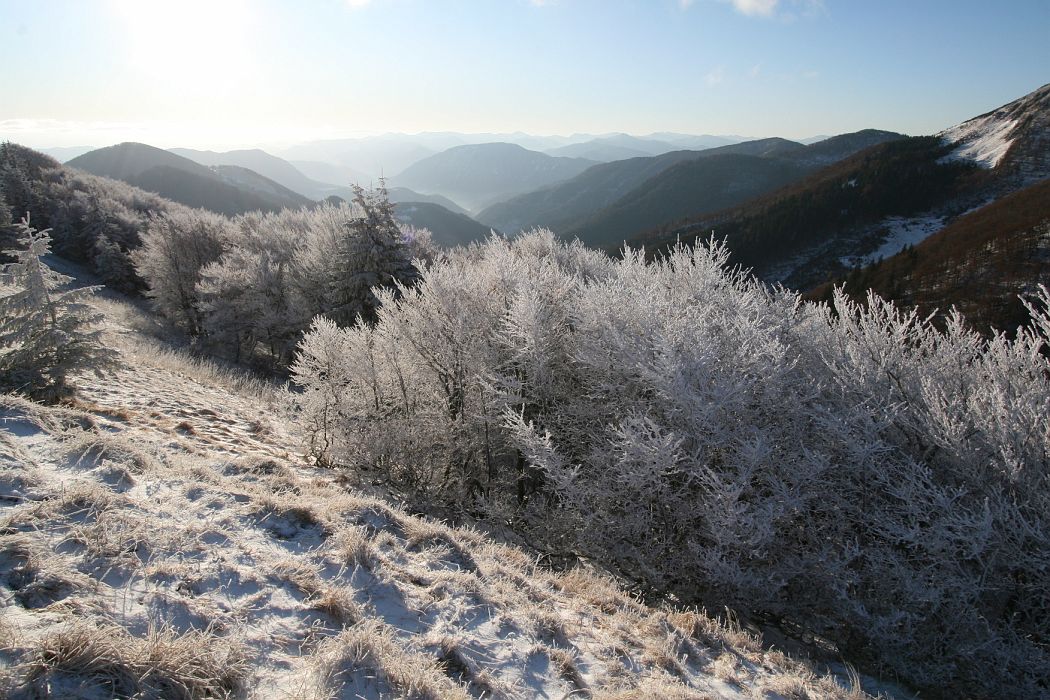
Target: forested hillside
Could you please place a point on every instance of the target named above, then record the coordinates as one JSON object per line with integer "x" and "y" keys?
{"x": 981, "y": 264}
{"x": 823, "y": 212}
{"x": 246, "y": 287}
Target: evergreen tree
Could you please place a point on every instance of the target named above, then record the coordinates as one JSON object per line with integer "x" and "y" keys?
{"x": 114, "y": 266}
{"x": 45, "y": 333}
{"x": 373, "y": 253}
{"x": 7, "y": 229}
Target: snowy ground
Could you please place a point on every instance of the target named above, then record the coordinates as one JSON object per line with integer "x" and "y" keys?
{"x": 983, "y": 140}
{"x": 164, "y": 538}
{"x": 900, "y": 232}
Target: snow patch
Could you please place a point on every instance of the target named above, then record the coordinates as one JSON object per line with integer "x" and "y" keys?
{"x": 901, "y": 232}
{"x": 984, "y": 140}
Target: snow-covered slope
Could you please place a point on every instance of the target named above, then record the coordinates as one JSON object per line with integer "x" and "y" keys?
{"x": 163, "y": 537}
{"x": 984, "y": 140}
{"x": 1020, "y": 129}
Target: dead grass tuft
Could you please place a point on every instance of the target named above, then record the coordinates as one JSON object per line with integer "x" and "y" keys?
{"x": 786, "y": 686}
{"x": 352, "y": 547}
{"x": 255, "y": 465}
{"x": 697, "y": 624}
{"x": 16, "y": 482}
{"x": 599, "y": 590}
{"x": 92, "y": 449}
{"x": 286, "y": 515}
{"x": 37, "y": 577}
{"x": 565, "y": 661}
{"x": 663, "y": 688}
{"x": 372, "y": 647}
{"x": 724, "y": 668}
{"x": 162, "y": 664}
{"x": 203, "y": 370}
{"x": 338, "y": 603}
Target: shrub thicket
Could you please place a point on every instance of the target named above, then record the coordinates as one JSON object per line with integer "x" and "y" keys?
{"x": 847, "y": 469}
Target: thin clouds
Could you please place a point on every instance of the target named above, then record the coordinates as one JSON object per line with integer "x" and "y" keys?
{"x": 755, "y": 8}
{"x": 787, "y": 10}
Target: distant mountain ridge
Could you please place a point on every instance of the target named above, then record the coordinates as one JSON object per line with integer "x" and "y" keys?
{"x": 620, "y": 146}
{"x": 479, "y": 174}
{"x": 615, "y": 201}
{"x": 265, "y": 164}
{"x": 367, "y": 158}
{"x": 182, "y": 180}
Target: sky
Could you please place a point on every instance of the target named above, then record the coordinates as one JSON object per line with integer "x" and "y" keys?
{"x": 235, "y": 73}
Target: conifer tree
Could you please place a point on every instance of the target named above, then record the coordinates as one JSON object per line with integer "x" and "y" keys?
{"x": 46, "y": 333}
{"x": 7, "y": 229}
{"x": 373, "y": 253}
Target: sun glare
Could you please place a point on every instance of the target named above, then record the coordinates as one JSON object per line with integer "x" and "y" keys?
{"x": 190, "y": 45}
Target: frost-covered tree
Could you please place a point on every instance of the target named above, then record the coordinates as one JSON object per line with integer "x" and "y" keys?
{"x": 46, "y": 333}
{"x": 176, "y": 247}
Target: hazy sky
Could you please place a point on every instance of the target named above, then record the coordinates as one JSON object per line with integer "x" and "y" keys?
{"x": 212, "y": 73}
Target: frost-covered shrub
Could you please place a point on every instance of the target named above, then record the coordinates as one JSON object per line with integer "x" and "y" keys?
{"x": 858, "y": 474}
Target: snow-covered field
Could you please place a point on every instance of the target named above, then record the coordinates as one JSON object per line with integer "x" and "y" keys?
{"x": 164, "y": 538}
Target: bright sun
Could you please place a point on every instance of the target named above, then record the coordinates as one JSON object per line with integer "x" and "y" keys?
{"x": 191, "y": 46}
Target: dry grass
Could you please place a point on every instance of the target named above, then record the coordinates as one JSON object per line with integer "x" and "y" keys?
{"x": 352, "y": 547}
{"x": 373, "y": 648}
{"x": 662, "y": 688}
{"x": 203, "y": 370}
{"x": 334, "y": 600}
{"x": 457, "y": 663}
{"x": 37, "y": 577}
{"x": 565, "y": 661}
{"x": 699, "y": 625}
{"x": 91, "y": 449}
{"x": 725, "y": 668}
{"x": 285, "y": 514}
{"x": 162, "y": 664}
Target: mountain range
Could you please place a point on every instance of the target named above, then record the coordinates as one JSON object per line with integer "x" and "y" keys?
{"x": 611, "y": 202}
{"x": 388, "y": 155}
{"x": 887, "y": 198}
{"x": 229, "y": 190}
{"x": 227, "y": 183}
